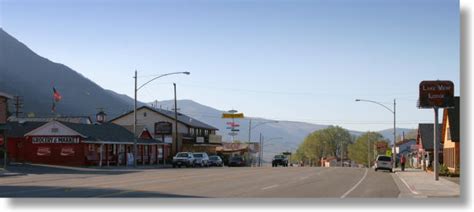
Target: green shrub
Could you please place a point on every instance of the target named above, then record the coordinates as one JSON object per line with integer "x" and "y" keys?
{"x": 444, "y": 170}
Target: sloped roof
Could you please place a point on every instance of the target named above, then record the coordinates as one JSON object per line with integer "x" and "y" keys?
{"x": 105, "y": 132}
{"x": 453, "y": 118}
{"x": 399, "y": 143}
{"x": 8, "y": 96}
{"x": 426, "y": 135}
{"x": 19, "y": 129}
{"x": 184, "y": 119}
{"x": 73, "y": 119}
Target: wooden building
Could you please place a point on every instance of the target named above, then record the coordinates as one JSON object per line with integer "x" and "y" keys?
{"x": 450, "y": 137}
{"x": 76, "y": 144}
{"x": 193, "y": 135}
{"x": 425, "y": 143}
{"x": 3, "y": 127}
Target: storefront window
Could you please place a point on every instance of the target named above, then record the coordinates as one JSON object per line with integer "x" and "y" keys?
{"x": 91, "y": 148}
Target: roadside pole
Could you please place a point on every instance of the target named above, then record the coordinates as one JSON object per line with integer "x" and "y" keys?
{"x": 261, "y": 151}
{"x": 175, "y": 121}
{"x": 135, "y": 123}
{"x": 436, "y": 94}
{"x": 368, "y": 150}
{"x": 435, "y": 145}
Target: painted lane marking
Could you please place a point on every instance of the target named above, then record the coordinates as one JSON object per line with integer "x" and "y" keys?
{"x": 412, "y": 190}
{"x": 355, "y": 186}
{"x": 305, "y": 177}
{"x": 269, "y": 187}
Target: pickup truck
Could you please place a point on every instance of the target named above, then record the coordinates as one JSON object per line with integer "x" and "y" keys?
{"x": 279, "y": 160}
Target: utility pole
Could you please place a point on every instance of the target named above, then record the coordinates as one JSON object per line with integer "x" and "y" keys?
{"x": 261, "y": 151}
{"x": 394, "y": 132}
{"x": 135, "y": 123}
{"x": 135, "y": 107}
{"x": 368, "y": 150}
{"x": 342, "y": 154}
{"x": 18, "y": 105}
{"x": 250, "y": 129}
{"x": 175, "y": 121}
{"x": 435, "y": 146}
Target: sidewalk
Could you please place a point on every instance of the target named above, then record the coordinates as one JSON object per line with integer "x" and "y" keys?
{"x": 420, "y": 184}
{"x": 6, "y": 173}
{"x": 106, "y": 168}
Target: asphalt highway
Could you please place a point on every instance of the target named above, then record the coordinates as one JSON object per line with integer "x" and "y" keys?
{"x": 298, "y": 182}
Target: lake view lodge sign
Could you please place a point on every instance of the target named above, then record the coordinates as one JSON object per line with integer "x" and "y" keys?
{"x": 436, "y": 94}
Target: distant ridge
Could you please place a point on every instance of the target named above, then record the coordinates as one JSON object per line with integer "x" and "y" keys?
{"x": 25, "y": 73}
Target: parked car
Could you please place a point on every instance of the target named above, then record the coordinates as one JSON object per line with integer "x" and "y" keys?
{"x": 215, "y": 160}
{"x": 183, "y": 159}
{"x": 201, "y": 159}
{"x": 236, "y": 161}
{"x": 279, "y": 160}
{"x": 383, "y": 162}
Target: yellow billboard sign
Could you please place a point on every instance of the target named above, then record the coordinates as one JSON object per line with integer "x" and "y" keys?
{"x": 232, "y": 115}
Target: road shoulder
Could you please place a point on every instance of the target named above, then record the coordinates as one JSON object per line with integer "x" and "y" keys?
{"x": 419, "y": 184}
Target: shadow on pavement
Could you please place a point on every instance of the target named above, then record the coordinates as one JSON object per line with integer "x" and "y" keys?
{"x": 22, "y": 169}
{"x": 50, "y": 191}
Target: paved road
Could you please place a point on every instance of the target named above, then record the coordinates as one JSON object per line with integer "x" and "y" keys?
{"x": 200, "y": 182}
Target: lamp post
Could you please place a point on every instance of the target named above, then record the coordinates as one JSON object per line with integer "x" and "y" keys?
{"x": 259, "y": 124}
{"x": 394, "y": 112}
{"x": 135, "y": 110}
{"x": 262, "y": 140}
{"x": 250, "y": 130}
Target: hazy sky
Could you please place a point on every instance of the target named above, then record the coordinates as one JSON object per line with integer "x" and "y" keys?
{"x": 289, "y": 60}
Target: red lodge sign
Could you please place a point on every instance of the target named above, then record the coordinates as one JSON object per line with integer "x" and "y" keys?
{"x": 436, "y": 94}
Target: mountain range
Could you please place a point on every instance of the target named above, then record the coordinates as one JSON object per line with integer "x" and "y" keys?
{"x": 32, "y": 77}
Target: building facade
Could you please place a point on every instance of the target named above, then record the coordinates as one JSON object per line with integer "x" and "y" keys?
{"x": 425, "y": 143}
{"x": 3, "y": 127}
{"x": 451, "y": 137}
{"x": 192, "y": 135}
{"x": 76, "y": 144}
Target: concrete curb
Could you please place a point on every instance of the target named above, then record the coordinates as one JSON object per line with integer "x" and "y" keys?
{"x": 419, "y": 184}
{"x": 105, "y": 168}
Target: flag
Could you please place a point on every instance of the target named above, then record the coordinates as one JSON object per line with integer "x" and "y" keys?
{"x": 56, "y": 98}
{"x": 56, "y": 95}
{"x": 53, "y": 108}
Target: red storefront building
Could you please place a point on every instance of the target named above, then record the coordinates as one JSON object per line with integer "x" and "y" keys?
{"x": 77, "y": 144}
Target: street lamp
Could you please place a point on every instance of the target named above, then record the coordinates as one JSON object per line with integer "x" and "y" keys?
{"x": 394, "y": 112}
{"x": 259, "y": 124}
{"x": 135, "y": 110}
{"x": 261, "y": 147}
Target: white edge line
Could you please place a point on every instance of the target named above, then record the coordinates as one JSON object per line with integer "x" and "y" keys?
{"x": 406, "y": 184}
{"x": 269, "y": 187}
{"x": 355, "y": 186}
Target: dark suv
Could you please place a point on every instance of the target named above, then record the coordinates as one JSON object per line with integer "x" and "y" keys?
{"x": 236, "y": 161}
{"x": 279, "y": 160}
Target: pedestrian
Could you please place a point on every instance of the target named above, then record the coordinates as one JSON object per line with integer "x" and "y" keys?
{"x": 402, "y": 162}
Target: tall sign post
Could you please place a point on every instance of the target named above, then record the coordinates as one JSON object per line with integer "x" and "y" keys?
{"x": 436, "y": 94}
{"x": 232, "y": 114}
